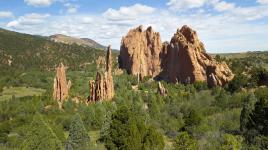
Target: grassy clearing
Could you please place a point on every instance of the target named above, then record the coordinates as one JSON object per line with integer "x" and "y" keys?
{"x": 20, "y": 92}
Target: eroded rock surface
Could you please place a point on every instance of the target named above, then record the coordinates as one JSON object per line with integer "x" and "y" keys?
{"x": 188, "y": 62}
{"x": 183, "y": 60}
{"x": 61, "y": 86}
{"x": 102, "y": 88}
{"x": 140, "y": 52}
{"x": 161, "y": 89}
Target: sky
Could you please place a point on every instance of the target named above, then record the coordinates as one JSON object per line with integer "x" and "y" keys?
{"x": 222, "y": 25}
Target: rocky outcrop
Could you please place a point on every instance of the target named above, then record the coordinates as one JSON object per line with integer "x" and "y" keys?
{"x": 183, "y": 60}
{"x": 140, "y": 51}
{"x": 102, "y": 88}
{"x": 188, "y": 62}
{"x": 161, "y": 89}
{"x": 61, "y": 86}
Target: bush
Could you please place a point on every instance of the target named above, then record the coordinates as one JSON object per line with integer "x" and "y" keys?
{"x": 185, "y": 142}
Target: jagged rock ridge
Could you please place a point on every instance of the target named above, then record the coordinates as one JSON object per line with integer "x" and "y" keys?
{"x": 61, "y": 86}
{"x": 140, "y": 52}
{"x": 102, "y": 88}
{"x": 183, "y": 59}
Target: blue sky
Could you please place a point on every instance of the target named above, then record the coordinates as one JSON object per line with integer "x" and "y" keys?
{"x": 222, "y": 25}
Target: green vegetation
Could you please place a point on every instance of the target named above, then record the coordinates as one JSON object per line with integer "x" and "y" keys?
{"x": 189, "y": 117}
{"x": 41, "y": 136}
{"x": 18, "y": 92}
{"x": 129, "y": 131}
{"x": 184, "y": 141}
{"x": 78, "y": 137}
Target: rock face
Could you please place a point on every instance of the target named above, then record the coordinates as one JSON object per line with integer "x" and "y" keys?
{"x": 161, "y": 89}
{"x": 183, "y": 60}
{"x": 188, "y": 62}
{"x": 103, "y": 88}
{"x": 61, "y": 86}
{"x": 140, "y": 51}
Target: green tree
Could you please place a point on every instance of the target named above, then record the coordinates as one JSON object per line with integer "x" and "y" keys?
{"x": 239, "y": 81}
{"x": 153, "y": 140}
{"x": 259, "y": 116}
{"x": 256, "y": 124}
{"x": 41, "y": 136}
{"x": 185, "y": 142}
{"x": 78, "y": 136}
{"x": 128, "y": 131}
{"x": 245, "y": 116}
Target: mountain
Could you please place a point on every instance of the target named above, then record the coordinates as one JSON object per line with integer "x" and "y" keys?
{"x": 79, "y": 41}
{"x": 23, "y": 51}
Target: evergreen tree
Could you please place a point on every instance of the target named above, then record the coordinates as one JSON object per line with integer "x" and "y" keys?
{"x": 185, "y": 142}
{"x": 128, "y": 131}
{"x": 246, "y": 111}
{"x": 104, "y": 132}
{"x": 78, "y": 136}
{"x": 153, "y": 140}
{"x": 41, "y": 136}
{"x": 255, "y": 123}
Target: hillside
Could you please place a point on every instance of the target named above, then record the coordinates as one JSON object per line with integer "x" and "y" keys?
{"x": 79, "y": 41}
{"x": 24, "y": 51}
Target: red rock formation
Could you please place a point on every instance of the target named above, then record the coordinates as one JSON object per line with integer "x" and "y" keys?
{"x": 103, "y": 88}
{"x": 140, "y": 52}
{"x": 61, "y": 86}
{"x": 184, "y": 59}
{"x": 161, "y": 89}
{"x": 188, "y": 62}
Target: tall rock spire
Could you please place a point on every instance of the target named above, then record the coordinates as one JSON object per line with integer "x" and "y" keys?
{"x": 103, "y": 87}
{"x": 61, "y": 86}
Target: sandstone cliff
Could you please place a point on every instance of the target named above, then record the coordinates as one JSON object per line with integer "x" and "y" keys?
{"x": 140, "y": 51}
{"x": 102, "y": 88}
{"x": 61, "y": 86}
{"x": 188, "y": 62}
{"x": 183, "y": 60}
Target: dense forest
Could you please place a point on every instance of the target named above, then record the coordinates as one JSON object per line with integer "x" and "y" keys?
{"x": 190, "y": 117}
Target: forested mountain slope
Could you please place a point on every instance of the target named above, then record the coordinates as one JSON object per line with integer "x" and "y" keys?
{"x": 22, "y": 51}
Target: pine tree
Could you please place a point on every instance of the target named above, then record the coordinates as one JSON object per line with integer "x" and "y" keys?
{"x": 78, "y": 136}
{"x": 153, "y": 140}
{"x": 246, "y": 111}
{"x": 128, "y": 131}
{"x": 41, "y": 136}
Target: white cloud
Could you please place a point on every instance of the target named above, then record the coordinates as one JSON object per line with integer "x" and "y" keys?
{"x": 185, "y": 4}
{"x": 39, "y": 3}
{"x": 6, "y": 14}
{"x": 129, "y": 12}
{"x": 222, "y": 5}
{"x": 227, "y": 31}
{"x": 250, "y": 13}
{"x": 262, "y": 2}
{"x": 71, "y": 8}
{"x": 28, "y": 20}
